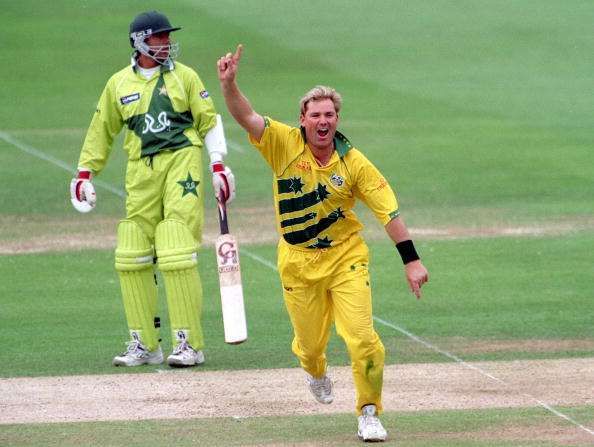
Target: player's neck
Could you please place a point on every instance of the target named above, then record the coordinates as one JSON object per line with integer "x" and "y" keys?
{"x": 322, "y": 155}
{"x": 146, "y": 62}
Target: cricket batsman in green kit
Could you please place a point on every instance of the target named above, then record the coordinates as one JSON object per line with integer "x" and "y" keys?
{"x": 168, "y": 117}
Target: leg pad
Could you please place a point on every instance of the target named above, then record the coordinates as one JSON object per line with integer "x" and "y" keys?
{"x": 177, "y": 260}
{"x": 134, "y": 264}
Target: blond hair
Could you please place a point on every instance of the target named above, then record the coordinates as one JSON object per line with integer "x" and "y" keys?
{"x": 321, "y": 92}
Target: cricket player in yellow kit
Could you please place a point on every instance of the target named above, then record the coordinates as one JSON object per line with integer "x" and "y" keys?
{"x": 322, "y": 260}
{"x": 169, "y": 117}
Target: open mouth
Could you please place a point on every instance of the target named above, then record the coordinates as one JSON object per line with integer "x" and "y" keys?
{"x": 323, "y": 132}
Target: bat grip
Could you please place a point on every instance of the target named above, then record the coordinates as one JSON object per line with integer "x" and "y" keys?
{"x": 223, "y": 223}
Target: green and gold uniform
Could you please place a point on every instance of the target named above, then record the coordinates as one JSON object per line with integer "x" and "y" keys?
{"x": 165, "y": 118}
{"x": 322, "y": 260}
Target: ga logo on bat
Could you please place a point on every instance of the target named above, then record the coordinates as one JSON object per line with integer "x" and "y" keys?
{"x": 228, "y": 259}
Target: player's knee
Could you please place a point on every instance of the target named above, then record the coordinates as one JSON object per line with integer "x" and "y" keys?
{"x": 176, "y": 247}
{"x": 308, "y": 349}
{"x": 134, "y": 250}
{"x": 362, "y": 339}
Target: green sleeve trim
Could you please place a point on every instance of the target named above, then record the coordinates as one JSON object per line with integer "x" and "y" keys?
{"x": 394, "y": 214}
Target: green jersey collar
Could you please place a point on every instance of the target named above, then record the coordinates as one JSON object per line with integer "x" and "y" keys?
{"x": 341, "y": 143}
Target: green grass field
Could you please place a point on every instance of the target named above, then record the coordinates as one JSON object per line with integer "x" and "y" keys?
{"x": 478, "y": 112}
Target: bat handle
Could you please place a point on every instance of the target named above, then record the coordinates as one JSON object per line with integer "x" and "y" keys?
{"x": 223, "y": 223}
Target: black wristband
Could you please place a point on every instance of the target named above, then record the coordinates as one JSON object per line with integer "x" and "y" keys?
{"x": 407, "y": 251}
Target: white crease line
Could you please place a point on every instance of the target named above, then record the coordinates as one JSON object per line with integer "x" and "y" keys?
{"x": 261, "y": 260}
{"x": 59, "y": 163}
{"x": 36, "y": 152}
{"x": 436, "y": 349}
{"x": 447, "y": 354}
{"x": 56, "y": 162}
{"x": 235, "y": 146}
{"x": 480, "y": 371}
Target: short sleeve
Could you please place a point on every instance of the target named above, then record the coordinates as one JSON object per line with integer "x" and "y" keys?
{"x": 373, "y": 189}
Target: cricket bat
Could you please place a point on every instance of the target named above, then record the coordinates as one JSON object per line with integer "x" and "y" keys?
{"x": 227, "y": 253}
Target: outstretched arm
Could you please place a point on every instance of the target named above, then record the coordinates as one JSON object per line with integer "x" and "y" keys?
{"x": 237, "y": 103}
{"x": 415, "y": 271}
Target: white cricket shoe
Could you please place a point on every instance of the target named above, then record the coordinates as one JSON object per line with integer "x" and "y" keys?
{"x": 136, "y": 354}
{"x": 321, "y": 389}
{"x": 370, "y": 427}
{"x": 185, "y": 355}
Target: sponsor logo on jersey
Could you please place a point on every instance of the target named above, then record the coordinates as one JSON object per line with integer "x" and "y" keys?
{"x": 130, "y": 98}
{"x": 204, "y": 94}
{"x": 337, "y": 180}
{"x": 382, "y": 183}
{"x": 303, "y": 165}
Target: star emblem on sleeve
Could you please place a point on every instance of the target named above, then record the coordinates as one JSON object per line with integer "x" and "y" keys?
{"x": 189, "y": 185}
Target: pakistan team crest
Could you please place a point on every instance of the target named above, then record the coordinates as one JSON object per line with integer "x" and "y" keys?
{"x": 189, "y": 185}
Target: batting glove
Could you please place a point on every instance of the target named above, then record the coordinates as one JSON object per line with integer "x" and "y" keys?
{"x": 82, "y": 192}
{"x": 223, "y": 182}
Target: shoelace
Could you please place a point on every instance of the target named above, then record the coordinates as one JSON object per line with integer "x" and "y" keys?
{"x": 371, "y": 421}
{"x": 320, "y": 384}
{"x": 183, "y": 345}
{"x": 133, "y": 347}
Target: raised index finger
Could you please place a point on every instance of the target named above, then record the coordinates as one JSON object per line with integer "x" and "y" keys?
{"x": 237, "y": 54}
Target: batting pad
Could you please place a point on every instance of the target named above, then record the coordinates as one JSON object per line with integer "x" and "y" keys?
{"x": 177, "y": 260}
{"x": 134, "y": 264}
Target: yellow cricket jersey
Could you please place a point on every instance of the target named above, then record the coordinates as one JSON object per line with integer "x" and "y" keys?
{"x": 170, "y": 111}
{"x": 314, "y": 205}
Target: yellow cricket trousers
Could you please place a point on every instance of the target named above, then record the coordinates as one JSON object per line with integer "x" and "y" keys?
{"x": 332, "y": 284}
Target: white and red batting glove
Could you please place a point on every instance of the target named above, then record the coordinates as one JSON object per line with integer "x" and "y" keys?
{"x": 223, "y": 182}
{"x": 82, "y": 192}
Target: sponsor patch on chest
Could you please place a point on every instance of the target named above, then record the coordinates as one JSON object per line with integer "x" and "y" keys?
{"x": 129, "y": 98}
{"x": 303, "y": 165}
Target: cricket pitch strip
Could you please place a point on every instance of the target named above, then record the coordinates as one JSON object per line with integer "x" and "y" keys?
{"x": 192, "y": 393}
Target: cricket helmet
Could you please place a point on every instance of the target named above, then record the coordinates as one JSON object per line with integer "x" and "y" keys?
{"x": 146, "y": 24}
